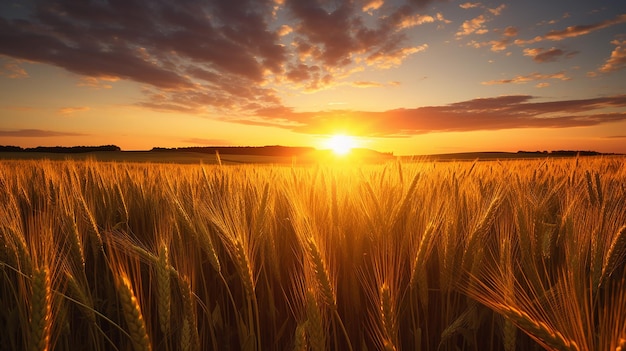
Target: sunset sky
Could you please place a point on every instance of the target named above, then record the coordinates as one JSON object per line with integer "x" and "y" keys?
{"x": 405, "y": 76}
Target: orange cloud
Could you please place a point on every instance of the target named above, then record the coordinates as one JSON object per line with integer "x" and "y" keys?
{"x": 364, "y": 84}
{"x": 71, "y": 110}
{"x": 503, "y": 112}
{"x": 473, "y": 26}
{"x": 617, "y": 61}
{"x": 499, "y": 44}
{"x": 284, "y": 30}
{"x": 415, "y": 20}
{"x": 13, "y": 70}
{"x": 528, "y": 78}
{"x": 574, "y": 31}
{"x": 210, "y": 142}
{"x": 372, "y": 5}
{"x": 97, "y": 82}
{"x": 498, "y": 10}
{"x": 386, "y": 60}
{"x": 35, "y": 133}
{"x": 470, "y": 5}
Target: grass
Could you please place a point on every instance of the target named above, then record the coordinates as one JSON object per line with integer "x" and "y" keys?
{"x": 498, "y": 255}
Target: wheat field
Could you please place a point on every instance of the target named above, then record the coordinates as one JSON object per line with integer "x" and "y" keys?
{"x": 498, "y": 255}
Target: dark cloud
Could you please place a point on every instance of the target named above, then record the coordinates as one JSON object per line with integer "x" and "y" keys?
{"x": 214, "y": 50}
{"x": 505, "y": 112}
{"x": 35, "y": 133}
{"x": 542, "y": 55}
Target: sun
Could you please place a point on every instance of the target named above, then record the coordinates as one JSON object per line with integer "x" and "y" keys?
{"x": 341, "y": 144}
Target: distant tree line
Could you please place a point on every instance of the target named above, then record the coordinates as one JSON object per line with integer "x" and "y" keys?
{"x": 60, "y": 149}
{"x": 274, "y": 150}
{"x": 562, "y": 153}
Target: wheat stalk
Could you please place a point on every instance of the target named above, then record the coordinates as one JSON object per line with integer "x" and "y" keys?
{"x": 164, "y": 297}
{"x": 509, "y": 331}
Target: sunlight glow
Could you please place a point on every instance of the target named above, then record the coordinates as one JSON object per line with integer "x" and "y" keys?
{"x": 341, "y": 144}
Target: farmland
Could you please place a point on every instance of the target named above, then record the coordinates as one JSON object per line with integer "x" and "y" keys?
{"x": 495, "y": 255}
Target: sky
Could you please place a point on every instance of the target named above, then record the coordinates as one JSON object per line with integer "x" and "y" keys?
{"x": 402, "y": 76}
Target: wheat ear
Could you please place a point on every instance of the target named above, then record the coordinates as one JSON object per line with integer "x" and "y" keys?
{"x": 133, "y": 316}
{"x": 189, "y": 338}
{"x": 388, "y": 317}
{"x": 300, "y": 343}
{"x": 40, "y": 317}
{"x": 615, "y": 252}
{"x": 314, "y": 325}
{"x": 243, "y": 264}
{"x": 322, "y": 274}
{"x": 538, "y": 330}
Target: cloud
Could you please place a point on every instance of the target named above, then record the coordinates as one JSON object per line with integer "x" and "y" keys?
{"x": 470, "y": 5}
{"x": 284, "y": 30}
{"x": 96, "y": 82}
{"x": 72, "y": 110}
{"x": 387, "y": 58}
{"x": 415, "y": 20}
{"x": 617, "y": 61}
{"x": 510, "y": 31}
{"x": 504, "y": 112}
{"x": 498, "y": 10}
{"x": 372, "y": 5}
{"x": 210, "y": 142}
{"x": 12, "y": 69}
{"x": 366, "y": 84}
{"x": 528, "y": 78}
{"x": 553, "y": 54}
{"x": 616, "y": 137}
{"x": 35, "y": 133}
{"x": 498, "y": 44}
{"x": 574, "y": 31}
{"x": 475, "y": 25}
{"x": 214, "y": 57}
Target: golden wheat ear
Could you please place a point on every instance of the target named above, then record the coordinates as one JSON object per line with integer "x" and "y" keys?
{"x": 133, "y": 316}
{"x": 40, "y": 318}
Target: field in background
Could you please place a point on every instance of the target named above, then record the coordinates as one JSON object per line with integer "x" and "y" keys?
{"x": 498, "y": 255}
